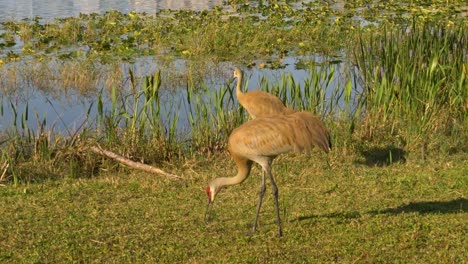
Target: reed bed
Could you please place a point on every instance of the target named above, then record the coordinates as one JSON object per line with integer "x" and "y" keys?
{"x": 415, "y": 80}
{"x": 401, "y": 87}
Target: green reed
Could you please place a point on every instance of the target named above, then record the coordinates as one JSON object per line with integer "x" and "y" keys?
{"x": 31, "y": 153}
{"x": 133, "y": 116}
{"x": 199, "y": 119}
{"x": 414, "y": 76}
{"x": 212, "y": 115}
{"x": 309, "y": 95}
{"x": 134, "y": 121}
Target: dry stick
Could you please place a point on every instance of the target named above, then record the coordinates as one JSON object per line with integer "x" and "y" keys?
{"x": 4, "y": 168}
{"x": 133, "y": 164}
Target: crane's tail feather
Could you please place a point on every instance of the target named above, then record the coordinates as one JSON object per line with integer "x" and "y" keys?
{"x": 317, "y": 133}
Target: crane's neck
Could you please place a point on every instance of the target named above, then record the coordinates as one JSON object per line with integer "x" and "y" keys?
{"x": 239, "y": 85}
{"x": 227, "y": 181}
{"x": 243, "y": 171}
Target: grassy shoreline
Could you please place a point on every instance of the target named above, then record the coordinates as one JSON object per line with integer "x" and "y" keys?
{"x": 405, "y": 212}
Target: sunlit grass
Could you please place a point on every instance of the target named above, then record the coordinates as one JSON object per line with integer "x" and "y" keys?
{"x": 350, "y": 212}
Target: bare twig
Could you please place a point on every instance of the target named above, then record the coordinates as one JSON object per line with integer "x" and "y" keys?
{"x": 4, "y": 169}
{"x": 133, "y": 164}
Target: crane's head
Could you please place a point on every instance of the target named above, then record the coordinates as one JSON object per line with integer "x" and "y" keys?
{"x": 238, "y": 73}
{"x": 211, "y": 191}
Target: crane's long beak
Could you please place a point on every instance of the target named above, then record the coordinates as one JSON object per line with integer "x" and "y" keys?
{"x": 209, "y": 207}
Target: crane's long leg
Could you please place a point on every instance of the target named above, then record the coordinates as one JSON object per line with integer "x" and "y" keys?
{"x": 260, "y": 199}
{"x": 276, "y": 195}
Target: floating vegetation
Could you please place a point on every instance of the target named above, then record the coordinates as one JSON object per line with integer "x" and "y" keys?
{"x": 242, "y": 34}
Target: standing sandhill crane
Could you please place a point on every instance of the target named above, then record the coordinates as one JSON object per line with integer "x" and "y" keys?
{"x": 261, "y": 140}
{"x": 259, "y": 103}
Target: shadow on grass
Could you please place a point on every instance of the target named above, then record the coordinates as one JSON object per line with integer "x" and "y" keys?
{"x": 435, "y": 207}
{"x": 340, "y": 215}
{"x": 385, "y": 156}
{"x": 446, "y": 207}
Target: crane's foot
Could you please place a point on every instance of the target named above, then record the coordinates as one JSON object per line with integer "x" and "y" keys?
{"x": 253, "y": 231}
{"x": 249, "y": 233}
{"x": 280, "y": 233}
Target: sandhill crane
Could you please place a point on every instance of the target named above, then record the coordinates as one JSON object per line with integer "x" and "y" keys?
{"x": 261, "y": 140}
{"x": 259, "y": 103}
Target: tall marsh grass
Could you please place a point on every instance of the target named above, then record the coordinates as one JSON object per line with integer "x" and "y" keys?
{"x": 146, "y": 124}
{"x": 414, "y": 78}
{"x": 31, "y": 149}
{"x": 408, "y": 83}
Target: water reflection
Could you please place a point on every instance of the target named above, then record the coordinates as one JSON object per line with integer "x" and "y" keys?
{"x": 49, "y": 9}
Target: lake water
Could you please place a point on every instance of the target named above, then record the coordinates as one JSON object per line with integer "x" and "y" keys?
{"x": 49, "y": 9}
{"x": 67, "y": 112}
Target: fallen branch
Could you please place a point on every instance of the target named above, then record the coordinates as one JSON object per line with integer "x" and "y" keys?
{"x": 133, "y": 164}
{"x": 4, "y": 169}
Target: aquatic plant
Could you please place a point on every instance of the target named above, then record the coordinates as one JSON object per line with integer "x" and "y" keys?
{"x": 414, "y": 77}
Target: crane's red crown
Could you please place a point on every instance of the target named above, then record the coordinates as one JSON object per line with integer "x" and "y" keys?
{"x": 208, "y": 192}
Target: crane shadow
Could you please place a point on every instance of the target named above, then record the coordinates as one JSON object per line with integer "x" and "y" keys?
{"x": 383, "y": 156}
{"x": 459, "y": 205}
{"x": 431, "y": 207}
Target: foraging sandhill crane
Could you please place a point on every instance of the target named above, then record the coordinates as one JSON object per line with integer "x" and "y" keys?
{"x": 261, "y": 140}
{"x": 259, "y": 103}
